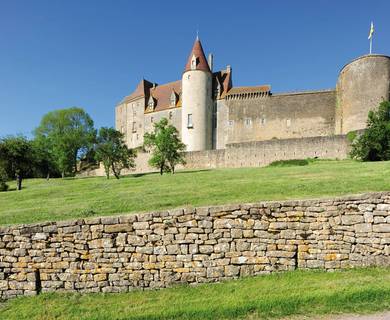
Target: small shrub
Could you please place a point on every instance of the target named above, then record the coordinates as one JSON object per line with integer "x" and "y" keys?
{"x": 351, "y": 136}
{"x": 3, "y": 186}
{"x": 289, "y": 163}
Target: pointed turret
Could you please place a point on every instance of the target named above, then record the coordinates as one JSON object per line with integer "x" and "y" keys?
{"x": 197, "y": 59}
{"x": 197, "y": 101}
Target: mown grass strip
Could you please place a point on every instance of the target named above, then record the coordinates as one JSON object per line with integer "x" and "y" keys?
{"x": 263, "y": 297}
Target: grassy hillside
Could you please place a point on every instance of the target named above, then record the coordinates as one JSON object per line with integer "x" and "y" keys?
{"x": 59, "y": 199}
{"x": 273, "y": 296}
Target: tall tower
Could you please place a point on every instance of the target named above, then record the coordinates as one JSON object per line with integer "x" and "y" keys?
{"x": 361, "y": 86}
{"x": 197, "y": 101}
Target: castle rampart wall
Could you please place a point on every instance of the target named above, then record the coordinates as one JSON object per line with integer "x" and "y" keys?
{"x": 252, "y": 154}
{"x": 282, "y": 116}
{"x": 261, "y": 153}
{"x": 160, "y": 249}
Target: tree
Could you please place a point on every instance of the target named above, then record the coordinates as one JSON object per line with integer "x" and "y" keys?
{"x": 112, "y": 151}
{"x": 166, "y": 147}
{"x": 374, "y": 143}
{"x": 16, "y": 158}
{"x": 44, "y": 162}
{"x": 67, "y": 135}
{"x": 3, "y": 180}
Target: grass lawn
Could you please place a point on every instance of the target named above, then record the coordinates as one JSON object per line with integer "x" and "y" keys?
{"x": 58, "y": 199}
{"x": 272, "y": 296}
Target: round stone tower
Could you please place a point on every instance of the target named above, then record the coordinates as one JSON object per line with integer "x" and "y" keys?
{"x": 361, "y": 86}
{"x": 197, "y": 101}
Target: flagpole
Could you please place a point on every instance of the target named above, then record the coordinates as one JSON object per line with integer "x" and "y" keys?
{"x": 370, "y": 45}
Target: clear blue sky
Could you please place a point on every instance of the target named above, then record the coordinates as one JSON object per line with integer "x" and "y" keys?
{"x": 90, "y": 53}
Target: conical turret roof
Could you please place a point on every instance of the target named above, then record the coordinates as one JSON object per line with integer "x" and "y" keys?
{"x": 197, "y": 53}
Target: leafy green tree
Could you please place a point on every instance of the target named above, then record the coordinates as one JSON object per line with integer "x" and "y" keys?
{"x": 67, "y": 135}
{"x": 16, "y": 158}
{"x": 112, "y": 151}
{"x": 3, "y": 180}
{"x": 166, "y": 147}
{"x": 374, "y": 143}
{"x": 44, "y": 162}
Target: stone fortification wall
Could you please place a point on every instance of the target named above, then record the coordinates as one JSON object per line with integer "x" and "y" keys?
{"x": 262, "y": 153}
{"x": 251, "y": 154}
{"x": 159, "y": 249}
{"x": 281, "y": 116}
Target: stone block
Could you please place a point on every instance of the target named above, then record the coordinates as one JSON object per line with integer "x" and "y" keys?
{"x": 141, "y": 225}
{"x": 363, "y": 227}
{"x": 115, "y": 228}
{"x": 383, "y": 207}
{"x": 206, "y": 249}
{"x": 381, "y": 228}
{"x": 351, "y": 219}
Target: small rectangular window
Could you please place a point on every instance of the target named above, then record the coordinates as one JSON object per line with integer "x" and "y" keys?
{"x": 288, "y": 123}
{"x": 189, "y": 121}
{"x": 151, "y": 119}
{"x": 231, "y": 122}
{"x": 134, "y": 127}
{"x": 248, "y": 121}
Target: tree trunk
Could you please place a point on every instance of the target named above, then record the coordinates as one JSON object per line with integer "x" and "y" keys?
{"x": 75, "y": 162}
{"x": 107, "y": 170}
{"x": 161, "y": 170}
{"x": 173, "y": 169}
{"x": 18, "y": 182}
{"x": 48, "y": 176}
{"x": 116, "y": 174}
{"x": 63, "y": 174}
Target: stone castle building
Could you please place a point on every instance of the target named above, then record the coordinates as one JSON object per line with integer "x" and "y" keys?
{"x": 210, "y": 113}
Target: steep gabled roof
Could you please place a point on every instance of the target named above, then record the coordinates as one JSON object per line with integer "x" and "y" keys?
{"x": 224, "y": 79}
{"x": 162, "y": 95}
{"x": 142, "y": 89}
{"x": 198, "y": 53}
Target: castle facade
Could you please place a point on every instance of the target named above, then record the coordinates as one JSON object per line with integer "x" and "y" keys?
{"x": 210, "y": 113}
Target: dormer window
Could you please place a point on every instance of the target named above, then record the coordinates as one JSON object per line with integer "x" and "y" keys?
{"x": 173, "y": 99}
{"x": 151, "y": 103}
{"x": 193, "y": 62}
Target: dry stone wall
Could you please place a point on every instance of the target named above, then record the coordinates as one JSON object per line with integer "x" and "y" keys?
{"x": 194, "y": 245}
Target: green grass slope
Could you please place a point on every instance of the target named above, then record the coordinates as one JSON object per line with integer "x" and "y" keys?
{"x": 264, "y": 297}
{"x": 59, "y": 199}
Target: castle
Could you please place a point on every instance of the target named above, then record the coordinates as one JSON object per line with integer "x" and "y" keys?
{"x": 213, "y": 115}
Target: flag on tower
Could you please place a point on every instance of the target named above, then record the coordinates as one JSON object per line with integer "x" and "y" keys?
{"x": 371, "y": 31}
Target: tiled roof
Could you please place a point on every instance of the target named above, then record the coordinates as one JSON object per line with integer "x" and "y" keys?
{"x": 224, "y": 79}
{"x": 238, "y": 90}
{"x": 141, "y": 90}
{"x": 201, "y": 61}
{"x": 162, "y": 95}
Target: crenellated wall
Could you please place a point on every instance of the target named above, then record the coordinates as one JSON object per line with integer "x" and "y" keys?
{"x": 194, "y": 245}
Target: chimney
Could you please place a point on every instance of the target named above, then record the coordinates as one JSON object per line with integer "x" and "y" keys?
{"x": 210, "y": 61}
